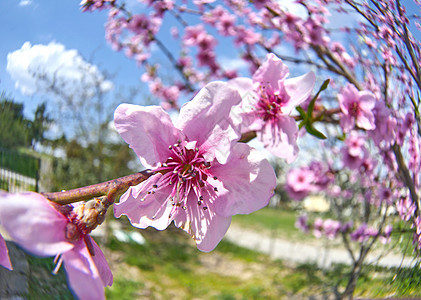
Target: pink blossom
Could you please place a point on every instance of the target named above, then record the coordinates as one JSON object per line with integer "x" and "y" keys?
{"x": 4, "y": 254}
{"x": 144, "y": 25}
{"x": 268, "y": 101}
{"x": 385, "y": 236}
{"x": 406, "y": 208}
{"x": 357, "y": 108}
{"x": 315, "y": 33}
{"x": 302, "y": 181}
{"x": 331, "y": 228}
{"x": 47, "y": 229}
{"x": 302, "y": 223}
{"x": 354, "y": 153}
{"x": 385, "y": 132}
{"x": 201, "y": 176}
{"x": 246, "y": 36}
{"x": 91, "y": 5}
{"x": 299, "y": 183}
{"x": 363, "y": 233}
{"x": 193, "y": 35}
{"x": 318, "y": 227}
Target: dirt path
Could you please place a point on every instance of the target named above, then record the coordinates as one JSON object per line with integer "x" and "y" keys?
{"x": 301, "y": 252}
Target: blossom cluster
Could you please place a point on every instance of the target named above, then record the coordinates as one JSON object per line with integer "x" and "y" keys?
{"x": 330, "y": 229}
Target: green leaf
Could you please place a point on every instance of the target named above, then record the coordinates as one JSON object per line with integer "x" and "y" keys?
{"x": 310, "y": 108}
{"x": 302, "y": 112}
{"x": 313, "y": 131}
{"x": 324, "y": 85}
{"x": 303, "y": 116}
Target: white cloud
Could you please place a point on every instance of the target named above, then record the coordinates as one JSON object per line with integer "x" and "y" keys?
{"x": 25, "y": 2}
{"x": 293, "y": 7}
{"x": 34, "y": 68}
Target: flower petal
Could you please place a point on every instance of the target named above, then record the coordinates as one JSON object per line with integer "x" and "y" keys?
{"x": 244, "y": 115}
{"x": 205, "y": 226}
{"x": 4, "y": 255}
{"x": 101, "y": 264}
{"x": 280, "y": 138}
{"x": 366, "y": 120}
{"x": 299, "y": 89}
{"x": 33, "y": 223}
{"x": 206, "y": 119}
{"x": 367, "y": 100}
{"x": 143, "y": 209}
{"x": 271, "y": 71}
{"x": 82, "y": 274}
{"x": 247, "y": 178}
{"x": 148, "y": 130}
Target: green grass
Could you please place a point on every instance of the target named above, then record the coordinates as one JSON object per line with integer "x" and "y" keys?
{"x": 45, "y": 285}
{"x": 271, "y": 221}
{"x": 169, "y": 266}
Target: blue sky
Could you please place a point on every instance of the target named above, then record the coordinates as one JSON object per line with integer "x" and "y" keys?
{"x": 43, "y": 21}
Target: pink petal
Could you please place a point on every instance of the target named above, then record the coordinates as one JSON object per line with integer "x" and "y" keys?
{"x": 243, "y": 85}
{"x": 249, "y": 181}
{"x": 82, "y": 274}
{"x": 366, "y": 120}
{"x": 205, "y": 226}
{"x": 4, "y": 255}
{"x": 148, "y": 130}
{"x": 101, "y": 264}
{"x": 33, "y": 223}
{"x": 367, "y": 100}
{"x": 244, "y": 114}
{"x": 348, "y": 95}
{"x": 153, "y": 211}
{"x": 280, "y": 138}
{"x": 206, "y": 119}
{"x": 271, "y": 71}
{"x": 347, "y": 122}
{"x": 299, "y": 89}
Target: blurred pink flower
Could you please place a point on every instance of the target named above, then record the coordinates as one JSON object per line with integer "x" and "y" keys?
{"x": 331, "y": 228}
{"x": 47, "y": 229}
{"x": 201, "y": 175}
{"x": 4, "y": 254}
{"x": 318, "y": 227}
{"x": 268, "y": 101}
{"x": 357, "y": 108}
{"x": 300, "y": 182}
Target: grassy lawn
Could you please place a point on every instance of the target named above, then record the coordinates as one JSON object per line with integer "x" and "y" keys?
{"x": 169, "y": 266}
{"x": 273, "y": 221}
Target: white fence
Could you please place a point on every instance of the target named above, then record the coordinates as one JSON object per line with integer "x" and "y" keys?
{"x": 14, "y": 182}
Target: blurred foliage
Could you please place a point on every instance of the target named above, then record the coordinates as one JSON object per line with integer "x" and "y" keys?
{"x": 87, "y": 159}
{"x": 21, "y": 163}
{"x": 17, "y": 131}
{"x": 94, "y": 163}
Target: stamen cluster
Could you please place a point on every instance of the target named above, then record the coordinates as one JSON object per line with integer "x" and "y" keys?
{"x": 186, "y": 170}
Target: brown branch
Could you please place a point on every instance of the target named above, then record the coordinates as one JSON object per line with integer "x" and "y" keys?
{"x": 406, "y": 177}
{"x": 112, "y": 189}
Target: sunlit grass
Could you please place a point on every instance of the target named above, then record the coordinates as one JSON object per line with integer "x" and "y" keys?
{"x": 169, "y": 266}
{"x": 274, "y": 221}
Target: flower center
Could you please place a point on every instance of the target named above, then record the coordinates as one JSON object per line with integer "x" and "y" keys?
{"x": 186, "y": 170}
{"x": 354, "y": 109}
{"x": 270, "y": 103}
